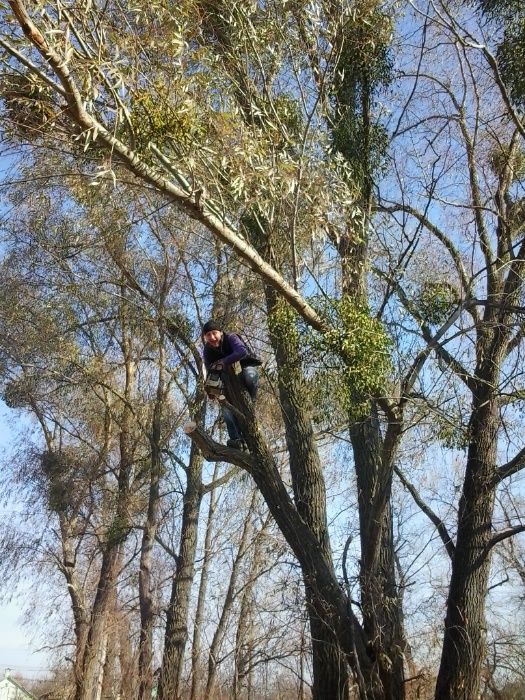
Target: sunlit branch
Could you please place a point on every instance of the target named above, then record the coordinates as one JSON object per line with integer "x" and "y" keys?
{"x": 194, "y": 204}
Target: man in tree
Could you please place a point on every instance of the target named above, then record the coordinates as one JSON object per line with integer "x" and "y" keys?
{"x": 222, "y": 350}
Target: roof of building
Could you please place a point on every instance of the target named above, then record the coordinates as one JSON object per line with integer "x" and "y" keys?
{"x": 8, "y": 680}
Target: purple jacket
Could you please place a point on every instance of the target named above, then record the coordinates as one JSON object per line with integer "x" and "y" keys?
{"x": 231, "y": 350}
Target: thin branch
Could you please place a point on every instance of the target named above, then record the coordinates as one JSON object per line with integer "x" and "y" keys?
{"x": 438, "y": 233}
{"x": 206, "y": 488}
{"x": 425, "y": 508}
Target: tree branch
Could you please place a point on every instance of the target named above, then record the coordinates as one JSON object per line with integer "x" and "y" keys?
{"x": 206, "y": 488}
{"x": 438, "y": 233}
{"x": 503, "y": 535}
{"x": 215, "y": 452}
{"x": 192, "y": 202}
{"x": 435, "y": 519}
{"x": 515, "y": 465}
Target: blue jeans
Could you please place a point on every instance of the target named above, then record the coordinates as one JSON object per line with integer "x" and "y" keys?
{"x": 250, "y": 377}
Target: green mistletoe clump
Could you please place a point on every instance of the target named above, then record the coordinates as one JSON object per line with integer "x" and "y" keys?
{"x": 353, "y": 356}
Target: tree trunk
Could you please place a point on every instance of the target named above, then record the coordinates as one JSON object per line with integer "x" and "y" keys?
{"x": 147, "y": 611}
{"x": 76, "y": 595}
{"x": 229, "y": 599}
{"x": 382, "y": 615}
{"x": 95, "y": 651}
{"x": 96, "y": 646}
{"x": 330, "y": 671}
{"x": 201, "y": 598}
{"x": 464, "y": 641}
{"x": 373, "y": 456}
{"x": 329, "y": 599}
{"x": 177, "y": 616}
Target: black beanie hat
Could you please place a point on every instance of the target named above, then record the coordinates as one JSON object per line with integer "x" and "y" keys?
{"x": 211, "y": 326}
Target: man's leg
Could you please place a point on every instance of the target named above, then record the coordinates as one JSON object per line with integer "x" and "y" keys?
{"x": 231, "y": 424}
{"x": 251, "y": 379}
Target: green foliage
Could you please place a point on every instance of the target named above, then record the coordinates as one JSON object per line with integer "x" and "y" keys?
{"x": 154, "y": 118}
{"x": 510, "y": 15}
{"x": 289, "y": 114}
{"x": 352, "y": 359}
{"x": 511, "y": 60}
{"x": 502, "y": 157}
{"x": 365, "y": 153}
{"x": 118, "y": 531}
{"x": 451, "y": 436}
{"x": 516, "y": 216}
{"x": 57, "y": 467}
{"x": 17, "y": 392}
{"x": 28, "y": 104}
{"x": 344, "y": 366}
{"x": 435, "y": 301}
{"x": 364, "y": 66}
{"x": 502, "y": 9}
{"x": 282, "y": 322}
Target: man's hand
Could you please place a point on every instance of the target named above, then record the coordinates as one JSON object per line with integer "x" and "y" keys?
{"x": 217, "y": 366}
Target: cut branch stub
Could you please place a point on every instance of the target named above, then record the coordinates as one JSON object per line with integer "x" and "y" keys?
{"x": 215, "y": 452}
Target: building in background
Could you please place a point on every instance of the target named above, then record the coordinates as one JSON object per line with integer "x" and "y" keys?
{"x": 12, "y": 690}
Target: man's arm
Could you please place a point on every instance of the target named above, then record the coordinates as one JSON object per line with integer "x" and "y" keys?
{"x": 238, "y": 351}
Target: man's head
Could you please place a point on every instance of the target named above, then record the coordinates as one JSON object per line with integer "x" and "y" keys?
{"x": 212, "y": 334}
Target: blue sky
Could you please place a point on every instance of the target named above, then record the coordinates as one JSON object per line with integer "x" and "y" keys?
{"x": 18, "y": 643}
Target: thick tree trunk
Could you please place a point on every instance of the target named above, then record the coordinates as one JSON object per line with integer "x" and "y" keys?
{"x": 380, "y": 602}
{"x": 177, "y": 616}
{"x": 95, "y": 651}
{"x": 329, "y": 599}
{"x": 76, "y": 596}
{"x": 464, "y": 641}
{"x": 96, "y": 645}
{"x": 330, "y": 669}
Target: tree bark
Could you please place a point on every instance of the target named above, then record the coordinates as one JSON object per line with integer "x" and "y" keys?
{"x": 76, "y": 595}
{"x": 463, "y": 649}
{"x": 201, "y": 598}
{"x": 330, "y": 670}
{"x": 381, "y": 606}
{"x": 147, "y": 612}
{"x": 176, "y": 635}
{"x": 95, "y": 650}
{"x": 229, "y": 598}
{"x": 373, "y": 460}
{"x": 330, "y": 600}
{"x": 96, "y": 645}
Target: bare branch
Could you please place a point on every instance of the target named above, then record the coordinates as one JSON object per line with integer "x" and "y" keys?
{"x": 438, "y": 233}
{"x": 215, "y": 452}
{"x": 206, "y": 488}
{"x": 515, "y": 465}
{"x": 425, "y": 508}
{"x": 503, "y": 535}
